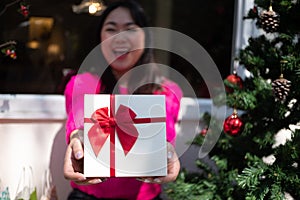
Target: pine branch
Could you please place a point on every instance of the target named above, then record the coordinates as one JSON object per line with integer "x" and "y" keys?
{"x": 8, "y": 43}
{"x": 250, "y": 177}
{"x": 8, "y": 5}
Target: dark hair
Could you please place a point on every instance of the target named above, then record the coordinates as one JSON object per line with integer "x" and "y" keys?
{"x": 151, "y": 73}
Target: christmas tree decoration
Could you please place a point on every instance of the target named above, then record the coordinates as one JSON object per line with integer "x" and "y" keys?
{"x": 9, "y": 49}
{"x": 233, "y": 125}
{"x": 281, "y": 88}
{"x": 233, "y": 81}
{"x": 24, "y": 9}
{"x": 204, "y": 131}
{"x": 11, "y": 53}
{"x": 269, "y": 20}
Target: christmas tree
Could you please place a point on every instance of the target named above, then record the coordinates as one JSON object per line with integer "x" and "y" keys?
{"x": 258, "y": 153}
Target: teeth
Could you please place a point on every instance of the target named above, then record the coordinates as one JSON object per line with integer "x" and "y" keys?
{"x": 120, "y": 51}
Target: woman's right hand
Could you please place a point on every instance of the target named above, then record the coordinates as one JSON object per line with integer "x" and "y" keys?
{"x": 73, "y": 163}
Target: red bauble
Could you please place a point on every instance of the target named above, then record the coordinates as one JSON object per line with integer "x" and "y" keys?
{"x": 25, "y": 13}
{"x": 233, "y": 125}
{"x": 235, "y": 80}
{"x": 203, "y": 132}
{"x": 7, "y": 52}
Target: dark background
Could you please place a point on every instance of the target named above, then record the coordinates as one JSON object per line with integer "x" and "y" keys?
{"x": 210, "y": 23}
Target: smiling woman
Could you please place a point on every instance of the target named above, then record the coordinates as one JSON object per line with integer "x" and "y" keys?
{"x": 123, "y": 51}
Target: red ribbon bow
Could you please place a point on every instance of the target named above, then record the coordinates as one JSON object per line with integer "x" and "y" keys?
{"x": 104, "y": 125}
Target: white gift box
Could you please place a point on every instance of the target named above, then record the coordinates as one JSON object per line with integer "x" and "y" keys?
{"x": 124, "y": 135}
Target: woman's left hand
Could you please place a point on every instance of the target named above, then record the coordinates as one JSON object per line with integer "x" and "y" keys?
{"x": 173, "y": 168}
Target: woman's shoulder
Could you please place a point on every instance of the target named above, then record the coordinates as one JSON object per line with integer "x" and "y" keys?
{"x": 171, "y": 90}
{"x": 83, "y": 82}
{"x": 170, "y": 87}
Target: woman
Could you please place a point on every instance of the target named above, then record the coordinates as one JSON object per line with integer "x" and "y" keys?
{"x": 123, "y": 42}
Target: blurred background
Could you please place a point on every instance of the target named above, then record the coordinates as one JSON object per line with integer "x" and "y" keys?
{"x": 54, "y": 36}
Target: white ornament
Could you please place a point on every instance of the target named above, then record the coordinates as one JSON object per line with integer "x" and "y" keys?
{"x": 269, "y": 160}
{"x": 282, "y": 137}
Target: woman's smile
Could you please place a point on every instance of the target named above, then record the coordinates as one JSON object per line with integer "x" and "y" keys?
{"x": 120, "y": 52}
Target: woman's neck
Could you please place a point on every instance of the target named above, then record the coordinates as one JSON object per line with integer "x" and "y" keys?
{"x": 121, "y": 77}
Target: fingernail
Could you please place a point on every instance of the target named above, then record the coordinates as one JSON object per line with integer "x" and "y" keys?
{"x": 157, "y": 180}
{"x": 78, "y": 155}
{"x": 170, "y": 154}
{"x": 98, "y": 181}
{"x": 82, "y": 179}
{"x": 147, "y": 180}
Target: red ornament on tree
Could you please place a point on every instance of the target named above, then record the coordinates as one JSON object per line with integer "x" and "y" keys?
{"x": 7, "y": 52}
{"x": 9, "y": 49}
{"x": 204, "y": 131}
{"x": 13, "y": 54}
{"x": 233, "y": 81}
{"x": 233, "y": 125}
{"x": 24, "y": 9}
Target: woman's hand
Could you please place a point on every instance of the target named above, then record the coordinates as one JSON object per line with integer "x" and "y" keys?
{"x": 73, "y": 162}
{"x": 173, "y": 165}
{"x": 173, "y": 168}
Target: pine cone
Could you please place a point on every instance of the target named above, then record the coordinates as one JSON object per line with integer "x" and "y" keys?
{"x": 281, "y": 88}
{"x": 269, "y": 20}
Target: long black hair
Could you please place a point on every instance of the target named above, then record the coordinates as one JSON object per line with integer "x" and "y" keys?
{"x": 151, "y": 74}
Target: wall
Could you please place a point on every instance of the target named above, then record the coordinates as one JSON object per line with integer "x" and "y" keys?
{"x": 32, "y": 134}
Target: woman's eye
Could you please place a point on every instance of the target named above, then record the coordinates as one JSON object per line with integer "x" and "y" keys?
{"x": 131, "y": 29}
{"x": 134, "y": 29}
{"x": 110, "y": 29}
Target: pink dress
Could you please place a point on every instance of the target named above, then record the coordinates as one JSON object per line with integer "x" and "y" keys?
{"x": 123, "y": 188}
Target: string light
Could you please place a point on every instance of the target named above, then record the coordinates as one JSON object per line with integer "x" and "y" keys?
{"x": 93, "y": 7}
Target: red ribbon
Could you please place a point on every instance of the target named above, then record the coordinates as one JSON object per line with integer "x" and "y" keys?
{"x": 121, "y": 123}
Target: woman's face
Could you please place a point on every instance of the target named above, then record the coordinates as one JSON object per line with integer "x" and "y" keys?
{"x": 122, "y": 40}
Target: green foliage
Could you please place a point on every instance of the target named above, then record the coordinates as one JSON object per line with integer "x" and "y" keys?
{"x": 250, "y": 177}
{"x": 235, "y": 168}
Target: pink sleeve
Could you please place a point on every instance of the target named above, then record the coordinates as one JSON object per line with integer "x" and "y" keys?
{"x": 74, "y": 96}
{"x": 173, "y": 96}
